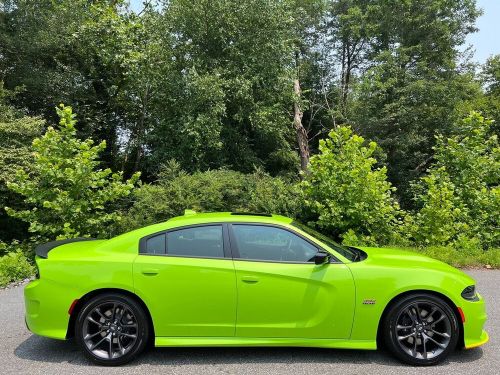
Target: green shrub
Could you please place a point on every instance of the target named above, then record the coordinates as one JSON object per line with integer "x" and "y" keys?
{"x": 215, "y": 190}
{"x": 347, "y": 195}
{"x": 460, "y": 196}
{"x": 66, "y": 192}
{"x": 14, "y": 266}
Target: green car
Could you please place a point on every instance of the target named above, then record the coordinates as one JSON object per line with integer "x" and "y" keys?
{"x": 236, "y": 279}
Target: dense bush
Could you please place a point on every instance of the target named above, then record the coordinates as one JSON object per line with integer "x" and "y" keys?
{"x": 347, "y": 195}
{"x": 460, "y": 196}
{"x": 216, "y": 190}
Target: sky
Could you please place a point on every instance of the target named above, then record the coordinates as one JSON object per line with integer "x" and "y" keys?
{"x": 485, "y": 42}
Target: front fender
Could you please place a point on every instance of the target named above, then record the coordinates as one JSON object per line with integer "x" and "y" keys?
{"x": 377, "y": 286}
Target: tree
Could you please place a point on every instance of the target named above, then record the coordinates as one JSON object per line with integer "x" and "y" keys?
{"x": 228, "y": 96}
{"x": 346, "y": 194}
{"x": 489, "y": 103}
{"x": 350, "y": 31}
{"x": 414, "y": 87}
{"x": 73, "y": 51}
{"x": 68, "y": 195}
{"x": 17, "y": 131}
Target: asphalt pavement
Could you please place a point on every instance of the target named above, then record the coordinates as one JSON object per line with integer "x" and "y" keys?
{"x": 24, "y": 353}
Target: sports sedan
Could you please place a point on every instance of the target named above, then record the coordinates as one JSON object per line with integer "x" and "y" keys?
{"x": 235, "y": 279}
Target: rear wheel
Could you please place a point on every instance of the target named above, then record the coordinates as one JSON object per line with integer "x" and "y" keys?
{"x": 421, "y": 329}
{"x": 112, "y": 329}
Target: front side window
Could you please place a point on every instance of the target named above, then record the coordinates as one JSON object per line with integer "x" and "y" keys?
{"x": 259, "y": 242}
{"x": 203, "y": 241}
{"x": 347, "y": 252}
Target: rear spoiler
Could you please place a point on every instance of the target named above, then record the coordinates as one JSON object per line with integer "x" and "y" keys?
{"x": 43, "y": 250}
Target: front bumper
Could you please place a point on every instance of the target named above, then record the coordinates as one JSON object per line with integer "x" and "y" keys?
{"x": 475, "y": 317}
{"x": 482, "y": 340}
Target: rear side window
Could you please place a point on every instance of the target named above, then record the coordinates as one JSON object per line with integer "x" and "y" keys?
{"x": 156, "y": 244}
{"x": 200, "y": 241}
{"x": 256, "y": 242}
{"x": 203, "y": 241}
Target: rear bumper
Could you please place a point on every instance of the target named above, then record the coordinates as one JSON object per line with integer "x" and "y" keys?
{"x": 46, "y": 309}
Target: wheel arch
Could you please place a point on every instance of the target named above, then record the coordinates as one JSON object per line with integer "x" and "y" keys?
{"x": 87, "y": 297}
{"x": 442, "y": 296}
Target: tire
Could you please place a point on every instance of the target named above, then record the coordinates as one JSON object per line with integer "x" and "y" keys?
{"x": 421, "y": 329}
{"x": 112, "y": 340}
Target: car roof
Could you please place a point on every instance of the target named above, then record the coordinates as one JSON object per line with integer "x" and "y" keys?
{"x": 191, "y": 217}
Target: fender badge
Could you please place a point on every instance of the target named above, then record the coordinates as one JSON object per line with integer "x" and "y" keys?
{"x": 369, "y": 302}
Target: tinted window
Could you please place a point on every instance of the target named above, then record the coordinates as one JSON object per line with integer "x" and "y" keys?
{"x": 271, "y": 243}
{"x": 203, "y": 241}
{"x": 156, "y": 244}
{"x": 347, "y": 252}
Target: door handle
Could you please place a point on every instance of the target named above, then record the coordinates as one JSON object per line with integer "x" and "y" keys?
{"x": 150, "y": 271}
{"x": 250, "y": 279}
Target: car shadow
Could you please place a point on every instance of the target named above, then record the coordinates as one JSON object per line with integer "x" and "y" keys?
{"x": 41, "y": 349}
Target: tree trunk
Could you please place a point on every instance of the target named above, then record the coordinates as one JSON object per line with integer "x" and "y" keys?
{"x": 299, "y": 127}
{"x": 140, "y": 130}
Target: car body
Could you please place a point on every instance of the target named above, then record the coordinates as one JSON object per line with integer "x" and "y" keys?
{"x": 231, "y": 279}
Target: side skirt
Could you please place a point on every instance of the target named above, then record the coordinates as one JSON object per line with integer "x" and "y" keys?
{"x": 255, "y": 341}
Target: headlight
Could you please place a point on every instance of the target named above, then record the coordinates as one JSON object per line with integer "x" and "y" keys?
{"x": 469, "y": 293}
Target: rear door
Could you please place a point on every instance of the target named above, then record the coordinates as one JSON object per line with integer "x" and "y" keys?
{"x": 186, "y": 277}
{"x": 282, "y": 292}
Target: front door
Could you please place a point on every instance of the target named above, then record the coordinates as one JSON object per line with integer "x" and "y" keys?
{"x": 187, "y": 280}
{"x": 282, "y": 293}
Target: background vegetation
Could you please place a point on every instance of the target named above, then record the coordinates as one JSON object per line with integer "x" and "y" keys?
{"x": 364, "y": 118}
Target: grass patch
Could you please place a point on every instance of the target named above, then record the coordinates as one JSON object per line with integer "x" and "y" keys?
{"x": 13, "y": 267}
{"x": 462, "y": 258}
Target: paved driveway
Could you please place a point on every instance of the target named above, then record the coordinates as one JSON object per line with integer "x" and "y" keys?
{"x": 23, "y": 353}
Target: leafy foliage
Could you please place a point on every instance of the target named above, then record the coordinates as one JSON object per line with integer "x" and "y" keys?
{"x": 68, "y": 195}
{"x": 461, "y": 197}
{"x": 14, "y": 266}
{"x": 346, "y": 193}
{"x": 17, "y": 131}
{"x": 210, "y": 83}
{"x": 217, "y": 190}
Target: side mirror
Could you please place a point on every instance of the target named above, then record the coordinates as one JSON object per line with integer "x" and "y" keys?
{"x": 321, "y": 257}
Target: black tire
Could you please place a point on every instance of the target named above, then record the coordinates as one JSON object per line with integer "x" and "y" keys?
{"x": 115, "y": 321}
{"x": 421, "y": 329}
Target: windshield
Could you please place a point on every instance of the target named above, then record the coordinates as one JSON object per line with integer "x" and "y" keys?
{"x": 343, "y": 250}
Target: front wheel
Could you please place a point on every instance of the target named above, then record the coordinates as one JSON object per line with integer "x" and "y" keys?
{"x": 421, "y": 329}
{"x": 112, "y": 329}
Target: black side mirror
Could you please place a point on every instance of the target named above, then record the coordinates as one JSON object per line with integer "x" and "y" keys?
{"x": 321, "y": 257}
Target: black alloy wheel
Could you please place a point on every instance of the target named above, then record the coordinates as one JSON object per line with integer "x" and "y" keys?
{"x": 112, "y": 329}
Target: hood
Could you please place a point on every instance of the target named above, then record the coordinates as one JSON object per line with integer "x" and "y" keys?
{"x": 403, "y": 258}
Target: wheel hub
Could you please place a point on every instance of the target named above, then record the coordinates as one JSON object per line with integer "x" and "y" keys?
{"x": 110, "y": 330}
{"x": 423, "y": 330}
